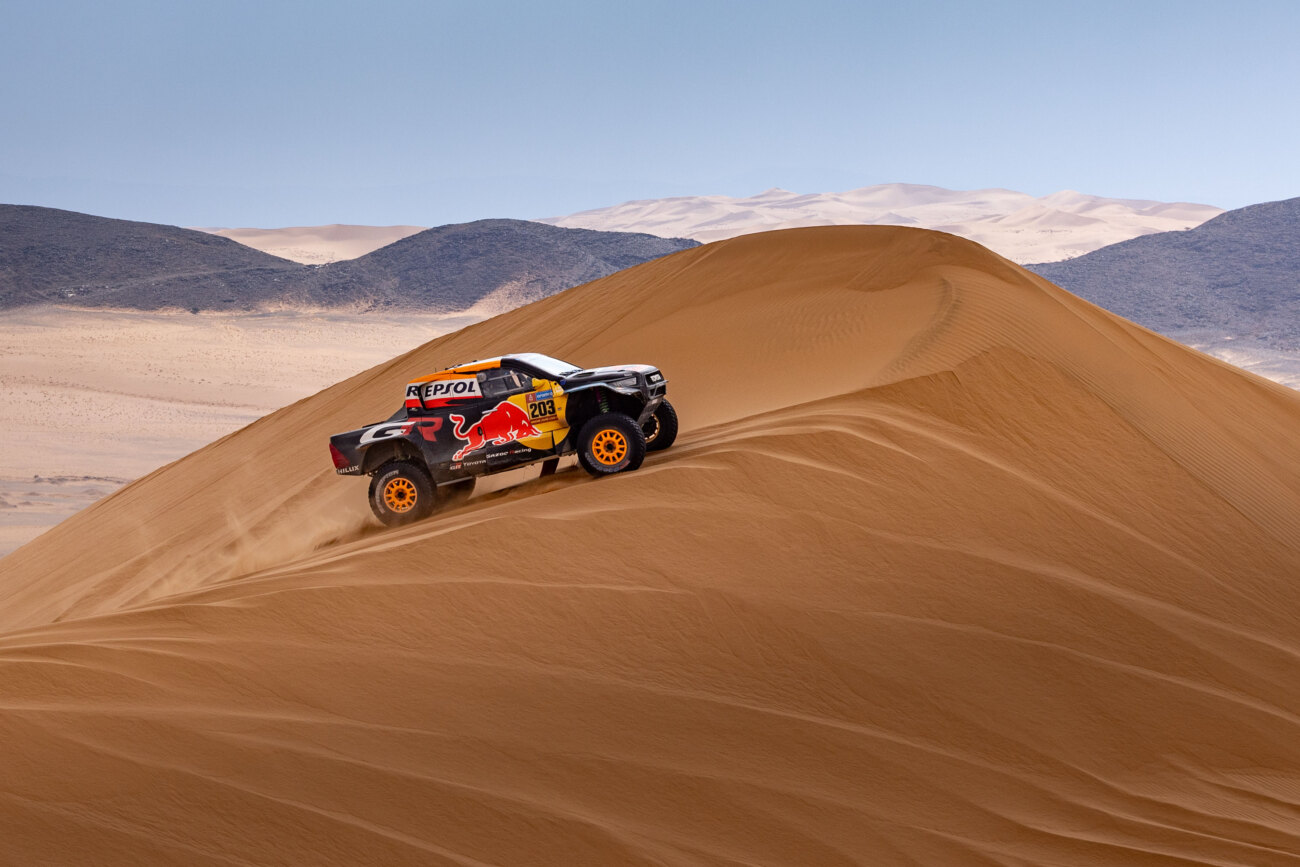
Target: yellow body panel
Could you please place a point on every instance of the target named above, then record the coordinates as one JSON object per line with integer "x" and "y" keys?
{"x": 546, "y": 413}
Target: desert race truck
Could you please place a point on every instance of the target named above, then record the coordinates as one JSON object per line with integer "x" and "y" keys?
{"x": 501, "y": 414}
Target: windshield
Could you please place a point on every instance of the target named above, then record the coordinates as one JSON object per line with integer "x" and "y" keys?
{"x": 550, "y": 366}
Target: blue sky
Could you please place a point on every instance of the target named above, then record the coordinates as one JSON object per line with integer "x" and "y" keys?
{"x": 299, "y": 113}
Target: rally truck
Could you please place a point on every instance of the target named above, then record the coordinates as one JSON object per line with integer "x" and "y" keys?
{"x": 501, "y": 414}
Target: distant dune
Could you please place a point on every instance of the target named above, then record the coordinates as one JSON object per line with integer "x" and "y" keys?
{"x": 948, "y": 567}
{"x": 1017, "y": 225}
{"x": 317, "y": 245}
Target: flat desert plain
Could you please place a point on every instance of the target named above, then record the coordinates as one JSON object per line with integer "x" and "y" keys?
{"x": 94, "y": 399}
{"x": 947, "y": 567}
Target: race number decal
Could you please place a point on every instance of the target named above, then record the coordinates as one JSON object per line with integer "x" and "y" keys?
{"x": 541, "y": 406}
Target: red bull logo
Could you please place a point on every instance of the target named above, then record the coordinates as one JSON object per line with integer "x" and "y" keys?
{"x": 502, "y": 424}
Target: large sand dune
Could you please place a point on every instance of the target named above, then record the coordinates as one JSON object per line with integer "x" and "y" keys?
{"x": 948, "y": 567}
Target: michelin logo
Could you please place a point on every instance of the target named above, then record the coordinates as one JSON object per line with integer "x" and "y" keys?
{"x": 444, "y": 389}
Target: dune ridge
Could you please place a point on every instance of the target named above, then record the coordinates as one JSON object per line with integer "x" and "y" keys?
{"x": 948, "y": 566}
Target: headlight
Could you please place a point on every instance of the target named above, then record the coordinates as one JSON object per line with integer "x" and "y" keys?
{"x": 625, "y": 382}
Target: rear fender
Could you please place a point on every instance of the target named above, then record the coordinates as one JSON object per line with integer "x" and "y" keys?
{"x": 379, "y": 453}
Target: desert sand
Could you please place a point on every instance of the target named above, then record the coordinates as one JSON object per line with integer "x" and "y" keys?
{"x": 318, "y": 245}
{"x": 96, "y": 398}
{"x": 947, "y": 567}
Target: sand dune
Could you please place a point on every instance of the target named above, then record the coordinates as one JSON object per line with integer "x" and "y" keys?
{"x": 318, "y": 245}
{"x": 947, "y": 567}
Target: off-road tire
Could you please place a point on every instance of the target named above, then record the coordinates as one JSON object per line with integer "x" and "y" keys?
{"x": 661, "y": 428}
{"x": 401, "y": 492}
{"x": 610, "y": 443}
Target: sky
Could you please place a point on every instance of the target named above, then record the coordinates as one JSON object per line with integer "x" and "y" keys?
{"x": 276, "y": 113}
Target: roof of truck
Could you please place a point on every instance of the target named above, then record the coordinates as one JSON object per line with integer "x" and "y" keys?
{"x": 461, "y": 370}
{"x": 533, "y": 359}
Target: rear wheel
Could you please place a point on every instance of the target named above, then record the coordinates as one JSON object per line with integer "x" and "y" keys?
{"x": 401, "y": 492}
{"x": 661, "y": 428}
{"x": 610, "y": 443}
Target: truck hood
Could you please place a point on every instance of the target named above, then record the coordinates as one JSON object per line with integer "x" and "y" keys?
{"x": 600, "y": 374}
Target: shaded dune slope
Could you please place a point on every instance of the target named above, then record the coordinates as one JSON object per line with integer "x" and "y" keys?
{"x": 947, "y": 567}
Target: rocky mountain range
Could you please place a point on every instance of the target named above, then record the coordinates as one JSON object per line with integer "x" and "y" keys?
{"x": 455, "y": 267}
{"x": 48, "y": 256}
{"x": 53, "y": 256}
{"x": 1237, "y": 275}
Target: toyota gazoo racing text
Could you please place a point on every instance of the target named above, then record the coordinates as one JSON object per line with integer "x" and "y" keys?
{"x": 496, "y": 415}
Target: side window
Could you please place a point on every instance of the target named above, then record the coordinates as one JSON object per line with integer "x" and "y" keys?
{"x": 501, "y": 383}
{"x": 492, "y": 386}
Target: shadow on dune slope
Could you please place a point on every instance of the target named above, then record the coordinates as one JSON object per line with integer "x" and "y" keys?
{"x": 947, "y": 567}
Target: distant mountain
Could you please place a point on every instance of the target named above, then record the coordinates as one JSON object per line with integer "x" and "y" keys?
{"x": 53, "y": 256}
{"x": 455, "y": 267}
{"x": 60, "y": 257}
{"x": 1016, "y": 225}
{"x": 1238, "y": 274}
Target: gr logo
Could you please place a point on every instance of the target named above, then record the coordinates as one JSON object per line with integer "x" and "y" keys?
{"x": 386, "y": 431}
{"x": 445, "y": 389}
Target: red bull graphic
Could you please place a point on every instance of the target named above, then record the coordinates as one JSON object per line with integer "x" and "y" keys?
{"x": 502, "y": 424}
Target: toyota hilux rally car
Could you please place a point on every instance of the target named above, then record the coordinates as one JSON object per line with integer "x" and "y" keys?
{"x": 500, "y": 414}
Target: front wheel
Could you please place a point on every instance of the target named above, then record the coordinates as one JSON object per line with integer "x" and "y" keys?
{"x": 610, "y": 443}
{"x": 401, "y": 493}
{"x": 661, "y": 428}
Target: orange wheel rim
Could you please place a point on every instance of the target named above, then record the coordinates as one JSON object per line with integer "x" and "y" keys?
{"x": 399, "y": 495}
{"x": 609, "y": 446}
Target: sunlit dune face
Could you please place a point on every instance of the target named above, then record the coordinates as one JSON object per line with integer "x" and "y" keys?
{"x": 945, "y": 567}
